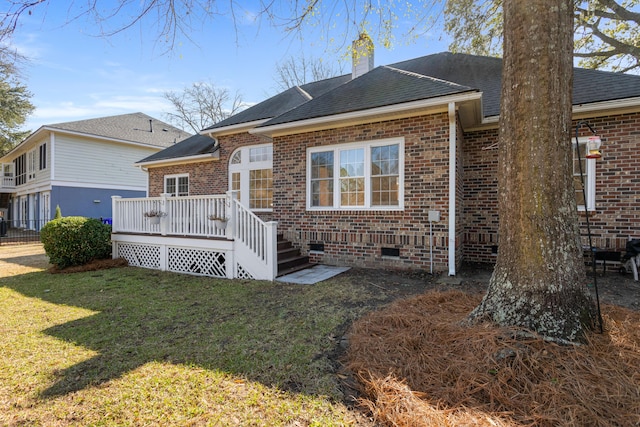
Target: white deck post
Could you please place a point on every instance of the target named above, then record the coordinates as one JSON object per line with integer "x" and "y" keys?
{"x": 230, "y": 263}
{"x": 231, "y": 214}
{"x": 272, "y": 249}
{"x": 164, "y": 219}
{"x": 115, "y": 219}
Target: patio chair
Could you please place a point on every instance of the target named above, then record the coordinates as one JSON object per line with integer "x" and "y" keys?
{"x": 631, "y": 259}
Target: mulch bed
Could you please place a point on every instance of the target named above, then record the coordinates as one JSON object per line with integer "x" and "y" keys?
{"x": 419, "y": 366}
{"x": 96, "y": 264}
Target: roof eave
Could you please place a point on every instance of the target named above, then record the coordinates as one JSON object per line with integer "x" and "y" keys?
{"x": 180, "y": 160}
{"x": 231, "y": 129}
{"x": 605, "y": 108}
{"x": 362, "y": 115}
{"x": 593, "y": 109}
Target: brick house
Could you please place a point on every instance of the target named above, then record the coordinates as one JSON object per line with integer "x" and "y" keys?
{"x": 395, "y": 166}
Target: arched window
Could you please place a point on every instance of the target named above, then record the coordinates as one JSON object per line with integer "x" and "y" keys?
{"x": 251, "y": 176}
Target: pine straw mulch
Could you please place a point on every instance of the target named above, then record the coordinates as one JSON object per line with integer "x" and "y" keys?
{"x": 419, "y": 366}
{"x": 94, "y": 265}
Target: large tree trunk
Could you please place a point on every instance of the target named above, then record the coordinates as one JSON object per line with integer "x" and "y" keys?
{"x": 539, "y": 279}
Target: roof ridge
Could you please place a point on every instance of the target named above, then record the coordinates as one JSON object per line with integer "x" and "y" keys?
{"x": 304, "y": 93}
{"x": 422, "y": 76}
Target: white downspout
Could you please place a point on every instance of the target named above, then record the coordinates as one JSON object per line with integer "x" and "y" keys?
{"x": 452, "y": 189}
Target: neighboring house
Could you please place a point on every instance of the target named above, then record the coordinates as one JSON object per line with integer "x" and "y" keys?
{"x": 396, "y": 166}
{"x": 78, "y": 166}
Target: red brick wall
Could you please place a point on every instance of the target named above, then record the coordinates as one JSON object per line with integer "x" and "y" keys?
{"x": 204, "y": 177}
{"x": 356, "y": 237}
{"x": 617, "y": 211}
{"x": 617, "y": 214}
{"x": 480, "y": 210}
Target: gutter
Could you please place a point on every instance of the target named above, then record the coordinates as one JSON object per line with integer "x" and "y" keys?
{"x": 452, "y": 188}
{"x": 330, "y": 121}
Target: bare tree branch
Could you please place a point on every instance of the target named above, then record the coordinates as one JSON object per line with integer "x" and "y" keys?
{"x": 202, "y": 105}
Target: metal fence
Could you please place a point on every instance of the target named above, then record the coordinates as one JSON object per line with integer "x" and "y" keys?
{"x": 20, "y": 232}
{"x": 15, "y": 232}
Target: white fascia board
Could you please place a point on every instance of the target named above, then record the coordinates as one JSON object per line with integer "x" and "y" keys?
{"x": 364, "y": 114}
{"x": 180, "y": 160}
{"x": 595, "y": 109}
{"x": 24, "y": 143}
{"x": 103, "y": 138}
{"x": 607, "y": 107}
{"x": 227, "y": 130}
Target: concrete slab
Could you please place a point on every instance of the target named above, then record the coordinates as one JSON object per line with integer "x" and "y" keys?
{"x": 312, "y": 275}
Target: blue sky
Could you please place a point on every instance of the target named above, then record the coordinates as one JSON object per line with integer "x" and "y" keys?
{"x": 74, "y": 75}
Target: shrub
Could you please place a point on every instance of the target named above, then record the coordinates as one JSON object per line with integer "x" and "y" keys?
{"x": 58, "y": 213}
{"x": 75, "y": 240}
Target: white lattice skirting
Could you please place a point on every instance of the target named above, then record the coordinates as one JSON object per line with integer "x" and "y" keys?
{"x": 212, "y": 258}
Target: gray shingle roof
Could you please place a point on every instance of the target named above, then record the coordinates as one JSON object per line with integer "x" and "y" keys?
{"x": 382, "y": 86}
{"x": 479, "y": 72}
{"x": 134, "y": 127}
{"x": 282, "y": 102}
{"x": 485, "y": 74}
{"x": 192, "y": 146}
{"x": 421, "y": 78}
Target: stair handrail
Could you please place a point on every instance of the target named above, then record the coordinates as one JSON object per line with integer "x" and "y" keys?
{"x": 256, "y": 235}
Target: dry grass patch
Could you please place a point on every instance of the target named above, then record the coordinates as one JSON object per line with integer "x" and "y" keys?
{"x": 420, "y": 367}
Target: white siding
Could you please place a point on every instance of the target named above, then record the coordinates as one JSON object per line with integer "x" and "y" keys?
{"x": 99, "y": 162}
{"x": 41, "y": 178}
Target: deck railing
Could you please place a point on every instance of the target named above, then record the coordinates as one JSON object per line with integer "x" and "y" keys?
{"x": 171, "y": 216}
{"x": 255, "y": 241}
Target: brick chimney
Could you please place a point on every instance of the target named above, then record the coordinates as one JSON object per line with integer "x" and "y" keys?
{"x": 362, "y": 54}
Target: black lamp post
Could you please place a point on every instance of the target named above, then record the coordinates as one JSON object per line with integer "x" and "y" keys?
{"x": 592, "y": 151}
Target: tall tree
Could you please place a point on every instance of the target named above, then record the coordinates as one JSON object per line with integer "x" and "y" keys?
{"x": 202, "y": 105}
{"x": 539, "y": 275}
{"x": 607, "y": 33}
{"x": 15, "y": 106}
{"x": 539, "y": 279}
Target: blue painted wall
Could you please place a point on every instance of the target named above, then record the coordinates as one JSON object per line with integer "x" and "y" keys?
{"x": 75, "y": 201}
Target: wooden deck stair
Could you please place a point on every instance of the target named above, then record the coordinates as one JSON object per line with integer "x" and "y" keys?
{"x": 289, "y": 258}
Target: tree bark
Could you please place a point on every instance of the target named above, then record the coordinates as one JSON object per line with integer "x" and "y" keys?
{"x": 539, "y": 279}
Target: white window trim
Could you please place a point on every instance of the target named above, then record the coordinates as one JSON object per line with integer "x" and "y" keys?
{"x": 42, "y": 156}
{"x": 589, "y": 178}
{"x": 32, "y": 164}
{"x": 367, "y": 165}
{"x": 244, "y": 167}
{"x": 176, "y": 176}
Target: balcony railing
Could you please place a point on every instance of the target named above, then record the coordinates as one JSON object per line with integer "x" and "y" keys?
{"x": 7, "y": 177}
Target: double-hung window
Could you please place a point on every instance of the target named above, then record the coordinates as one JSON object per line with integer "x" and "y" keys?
{"x": 177, "y": 185}
{"x": 588, "y": 172}
{"x": 368, "y": 175}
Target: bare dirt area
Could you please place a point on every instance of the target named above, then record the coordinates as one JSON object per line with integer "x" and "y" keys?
{"x": 22, "y": 259}
{"x": 612, "y": 287}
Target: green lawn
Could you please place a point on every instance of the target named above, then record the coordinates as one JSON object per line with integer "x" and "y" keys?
{"x": 130, "y": 346}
